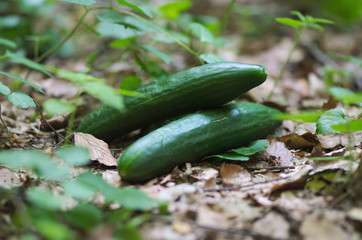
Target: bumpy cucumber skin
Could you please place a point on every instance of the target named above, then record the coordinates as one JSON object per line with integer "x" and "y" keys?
{"x": 197, "y": 88}
{"x": 195, "y": 136}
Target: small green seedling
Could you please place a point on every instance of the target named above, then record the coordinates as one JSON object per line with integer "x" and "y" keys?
{"x": 299, "y": 26}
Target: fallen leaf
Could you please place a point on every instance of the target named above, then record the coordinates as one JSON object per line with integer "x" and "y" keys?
{"x": 355, "y": 214}
{"x": 211, "y": 218}
{"x": 8, "y": 179}
{"x": 283, "y": 156}
{"x": 272, "y": 225}
{"x": 56, "y": 122}
{"x": 234, "y": 174}
{"x": 321, "y": 229}
{"x": 181, "y": 227}
{"x": 296, "y": 181}
{"x": 172, "y": 193}
{"x": 99, "y": 150}
{"x": 295, "y": 141}
{"x": 336, "y": 139}
{"x": 59, "y": 88}
{"x": 205, "y": 174}
{"x": 330, "y": 104}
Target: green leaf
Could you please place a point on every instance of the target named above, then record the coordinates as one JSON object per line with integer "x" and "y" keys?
{"x": 36, "y": 161}
{"x": 142, "y": 9}
{"x": 85, "y": 216}
{"x": 76, "y": 77}
{"x": 130, "y": 83}
{"x": 121, "y": 43}
{"x": 346, "y": 96}
{"x": 4, "y": 89}
{"x": 51, "y": 229}
{"x": 355, "y": 60}
{"x": 22, "y": 80}
{"x": 304, "y": 116}
{"x": 290, "y": 22}
{"x": 81, "y": 2}
{"x": 201, "y": 32}
{"x": 329, "y": 118}
{"x": 166, "y": 58}
{"x": 27, "y": 62}
{"x": 321, "y": 20}
{"x": 172, "y": 10}
{"x": 54, "y": 106}
{"x": 299, "y": 15}
{"x": 75, "y": 156}
{"x": 230, "y": 156}
{"x": 254, "y": 147}
{"x": 7, "y": 43}
{"x": 91, "y": 57}
{"x": 78, "y": 190}
{"x": 133, "y": 198}
{"x": 21, "y": 100}
{"x": 140, "y": 62}
{"x": 140, "y": 25}
{"x": 45, "y": 199}
{"x": 211, "y": 58}
{"x": 96, "y": 183}
{"x": 130, "y": 93}
{"x": 352, "y": 125}
{"x": 105, "y": 93}
{"x": 315, "y": 26}
{"x": 107, "y": 29}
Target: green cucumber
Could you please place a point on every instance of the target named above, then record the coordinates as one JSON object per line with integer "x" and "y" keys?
{"x": 197, "y": 88}
{"x": 195, "y": 136}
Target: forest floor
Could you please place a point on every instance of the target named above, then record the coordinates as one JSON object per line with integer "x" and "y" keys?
{"x": 279, "y": 194}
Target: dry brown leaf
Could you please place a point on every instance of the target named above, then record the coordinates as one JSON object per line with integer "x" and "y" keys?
{"x": 333, "y": 140}
{"x": 295, "y": 141}
{"x": 58, "y": 88}
{"x": 315, "y": 228}
{"x": 99, "y": 150}
{"x": 181, "y": 227}
{"x": 172, "y": 193}
{"x": 205, "y": 174}
{"x": 330, "y": 104}
{"x": 208, "y": 217}
{"x": 296, "y": 181}
{"x": 234, "y": 174}
{"x": 283, "y": 156}
{"x": 8, "y": 179}
{"x": 272, "y": 225}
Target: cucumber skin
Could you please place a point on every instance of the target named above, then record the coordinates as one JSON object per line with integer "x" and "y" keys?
{"x": 197, "y": 88}
{"x": 195, "y": 136}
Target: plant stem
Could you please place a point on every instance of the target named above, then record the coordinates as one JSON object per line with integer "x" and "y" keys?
{"x": 69, "y": 35}
{"x": 226, "y": 17}
{"x": 71, "y": 120}
{"x": 296, "y": 41}
{"x": 6, "y": 128}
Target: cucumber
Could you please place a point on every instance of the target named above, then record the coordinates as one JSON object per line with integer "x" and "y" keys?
{"x": 197, "y": 88}
{"x": 195, "y": 136}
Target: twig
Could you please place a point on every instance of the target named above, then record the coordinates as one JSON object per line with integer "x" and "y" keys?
{"x": 43, "y": 120}
{"x": 270, "y": 168}
{"x": 241, "y": 186}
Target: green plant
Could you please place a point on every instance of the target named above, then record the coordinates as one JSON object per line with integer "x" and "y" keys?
{"x": 299, "y": 26}
{"x": 195, "y": 136}
{"x": 51, "y": 216}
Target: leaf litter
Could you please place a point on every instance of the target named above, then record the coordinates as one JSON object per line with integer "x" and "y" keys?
{"x": 278, "y": 194}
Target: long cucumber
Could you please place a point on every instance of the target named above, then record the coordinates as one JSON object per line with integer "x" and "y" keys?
{"x": 197, "y": 88}
{"x": 195, "y": 136}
